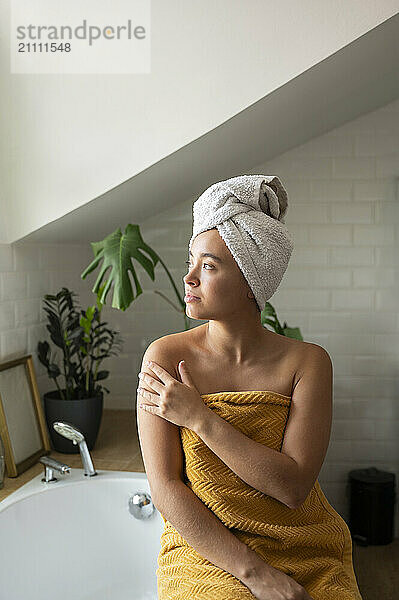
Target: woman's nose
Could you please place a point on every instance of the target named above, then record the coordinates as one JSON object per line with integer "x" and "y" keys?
{"x": 190, "y": 277}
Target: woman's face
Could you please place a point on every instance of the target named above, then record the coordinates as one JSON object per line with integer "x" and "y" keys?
{"x": 219, "y": 284}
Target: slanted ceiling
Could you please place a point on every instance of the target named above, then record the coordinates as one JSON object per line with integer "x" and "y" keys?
{"x": 359, "y": 78}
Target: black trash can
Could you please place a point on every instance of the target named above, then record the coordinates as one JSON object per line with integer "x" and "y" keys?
{"x": 372, "y": 506}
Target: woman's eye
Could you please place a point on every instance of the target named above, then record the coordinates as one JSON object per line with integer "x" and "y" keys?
{"x": 188, "y": 263}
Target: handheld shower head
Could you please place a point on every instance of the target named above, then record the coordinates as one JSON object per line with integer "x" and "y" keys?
{"x": 69, "y": 431}
{"x": 76, "y": 436}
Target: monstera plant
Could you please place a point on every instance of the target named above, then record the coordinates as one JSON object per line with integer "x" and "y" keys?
{"x": 116, "y": 252}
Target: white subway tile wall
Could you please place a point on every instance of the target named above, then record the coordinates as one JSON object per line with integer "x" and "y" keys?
{"x": 341, "y": 288}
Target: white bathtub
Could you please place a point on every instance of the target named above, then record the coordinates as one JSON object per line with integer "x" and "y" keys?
{"x": 77, "y": 540}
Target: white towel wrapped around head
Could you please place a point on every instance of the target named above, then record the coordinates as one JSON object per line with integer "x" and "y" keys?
{"x": 248, "y": 212}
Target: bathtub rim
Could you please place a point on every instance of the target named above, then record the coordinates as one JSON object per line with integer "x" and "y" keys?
{"x": 76, "y": 477}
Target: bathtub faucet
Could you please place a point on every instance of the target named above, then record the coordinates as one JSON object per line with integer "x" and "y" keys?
{"x": 51, "y": 465}
{"x": 73, "y": 433}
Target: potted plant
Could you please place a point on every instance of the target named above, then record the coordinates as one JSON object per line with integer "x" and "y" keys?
{"x": 85, "y": 341}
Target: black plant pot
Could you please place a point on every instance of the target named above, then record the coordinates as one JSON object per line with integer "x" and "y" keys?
{"x": 84, "y": 414}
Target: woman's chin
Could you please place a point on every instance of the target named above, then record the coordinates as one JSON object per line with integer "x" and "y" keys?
{"x": 192, "y": 308}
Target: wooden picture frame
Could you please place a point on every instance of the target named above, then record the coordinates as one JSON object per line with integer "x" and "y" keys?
{"x": 22, "y": 421}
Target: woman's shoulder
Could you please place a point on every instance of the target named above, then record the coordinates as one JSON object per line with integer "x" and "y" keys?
{"x": 301, "y": 348}
{"x": 171, "y": 348}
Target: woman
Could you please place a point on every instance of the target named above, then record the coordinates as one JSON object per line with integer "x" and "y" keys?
{"x": 234, "y": 437}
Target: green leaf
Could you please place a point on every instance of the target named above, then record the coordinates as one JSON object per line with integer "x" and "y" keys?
{"x": 44, "y": 353}
{"x": 293, "y": 332}
{"x": 102, "y": 375}
{"x": 90, "y": 312}
{"x": 53, "y": 371}
{"x": 117, "y": 251}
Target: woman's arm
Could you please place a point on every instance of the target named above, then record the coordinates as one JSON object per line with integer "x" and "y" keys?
{"x": 202, "y": 529}
{"x": 213, "y": 541}
{"x": 163, "y": 459}
{"x": 267, "y": 470}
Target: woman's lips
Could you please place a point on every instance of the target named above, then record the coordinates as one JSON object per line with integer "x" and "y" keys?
{"x": 188, "y": 298}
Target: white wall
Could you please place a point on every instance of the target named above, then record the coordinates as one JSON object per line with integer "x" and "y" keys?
{"x": 27, "y": 273}
{"x": 67, "y": 139}
{"x": 341, "y": 288}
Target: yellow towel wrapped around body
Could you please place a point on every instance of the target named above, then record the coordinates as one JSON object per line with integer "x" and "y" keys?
{"x": 312, "y": 544}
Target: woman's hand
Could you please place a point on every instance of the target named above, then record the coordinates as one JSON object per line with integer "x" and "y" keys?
{"x": 179, "y": 403}
{"x": 267, "y": 583}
